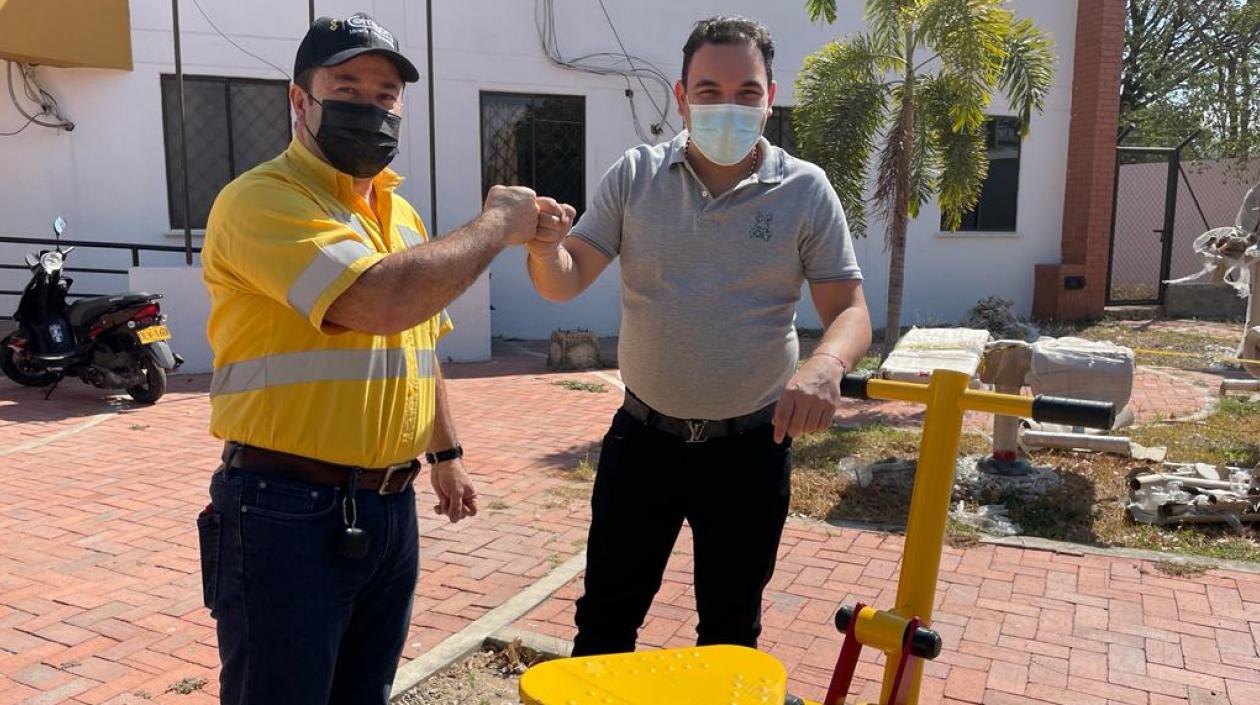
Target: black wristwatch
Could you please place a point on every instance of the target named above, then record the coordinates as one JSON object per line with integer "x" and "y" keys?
{"x": 443, "y": 456}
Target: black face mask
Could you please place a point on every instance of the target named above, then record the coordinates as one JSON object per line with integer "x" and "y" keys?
{"x": 359, "y": 139}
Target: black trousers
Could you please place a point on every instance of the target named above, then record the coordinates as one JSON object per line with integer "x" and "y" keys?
{"x": 732, "y": 491}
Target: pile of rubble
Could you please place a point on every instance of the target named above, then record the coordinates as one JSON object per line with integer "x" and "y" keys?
{"x": 997, "y": 315}
{"x": 973, "y": 484}
{"x": 1196, "y": 493}
{"x": 972, "y": 487}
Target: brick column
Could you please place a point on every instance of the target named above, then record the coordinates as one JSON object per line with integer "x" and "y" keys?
{"x": 1077, "y": 287}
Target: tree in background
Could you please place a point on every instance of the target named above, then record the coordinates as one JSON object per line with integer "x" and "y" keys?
{"x": 917, "y": 85}
{"x": 1193, "y": 65}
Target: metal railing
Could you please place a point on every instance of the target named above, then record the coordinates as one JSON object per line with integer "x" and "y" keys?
{"x": 50, "y": 243}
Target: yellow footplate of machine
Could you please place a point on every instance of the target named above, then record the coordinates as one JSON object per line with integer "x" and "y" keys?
{"x": 709, "y": 675}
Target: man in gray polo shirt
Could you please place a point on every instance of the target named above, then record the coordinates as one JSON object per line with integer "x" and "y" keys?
{"x": 717, "y": 231}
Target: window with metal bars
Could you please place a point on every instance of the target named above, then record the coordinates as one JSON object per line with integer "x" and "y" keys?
{"x": 538, "y": 141}
{"x": 232, "y": 125}
{"x": 779, "y": 130}
{"x": 996, "y": 210}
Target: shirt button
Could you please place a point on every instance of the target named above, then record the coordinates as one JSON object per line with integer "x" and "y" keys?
{"x": 704, "y": 193}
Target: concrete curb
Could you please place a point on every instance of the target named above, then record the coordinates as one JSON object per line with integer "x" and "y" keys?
{"x": 548, "y": 647}
{"x": 472, "y": 637}
{"x": 1141, "y": 554}
{"x": 610, "y": 378}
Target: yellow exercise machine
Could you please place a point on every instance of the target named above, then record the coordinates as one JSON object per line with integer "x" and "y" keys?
{"x": 732, "y": 675}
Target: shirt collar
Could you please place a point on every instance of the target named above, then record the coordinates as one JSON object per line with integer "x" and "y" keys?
{"x": 770, "y": 171}
{"x": 335, "y": 181}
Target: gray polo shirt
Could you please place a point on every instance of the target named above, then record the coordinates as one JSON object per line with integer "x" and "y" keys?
{"x": 709, "y": 285}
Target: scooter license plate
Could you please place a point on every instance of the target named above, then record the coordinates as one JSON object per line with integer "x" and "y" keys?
{"x": 154, "y": 334}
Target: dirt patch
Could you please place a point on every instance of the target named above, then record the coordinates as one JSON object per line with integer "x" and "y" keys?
{"x": 489, "y": 677}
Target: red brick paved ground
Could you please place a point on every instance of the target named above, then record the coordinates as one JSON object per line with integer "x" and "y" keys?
{"x": 99, "y": 576}
{"x": 1020, "y": 627}
{"x": 99, "y": 579}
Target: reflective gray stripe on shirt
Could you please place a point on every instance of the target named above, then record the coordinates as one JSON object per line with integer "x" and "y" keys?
{"x": 331, "y": 262}
{"x": 411, "y": 236}
{"x": 426, "y": 362}
{"x": 352, "y": 221}
{"x": 319, "y": 366}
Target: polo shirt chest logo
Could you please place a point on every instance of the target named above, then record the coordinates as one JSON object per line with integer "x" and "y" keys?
{"x": 761, "y": 226}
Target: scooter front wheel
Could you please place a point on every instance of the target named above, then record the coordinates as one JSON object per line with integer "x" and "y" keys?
{"x": 15, "y": 367}
{"x": 154, "y": 385}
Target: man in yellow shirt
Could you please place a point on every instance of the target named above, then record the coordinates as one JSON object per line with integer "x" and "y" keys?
{"x": 327, "y": 303}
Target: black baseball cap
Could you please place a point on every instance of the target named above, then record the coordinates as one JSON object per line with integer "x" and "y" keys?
{"x": 331, "y": 41}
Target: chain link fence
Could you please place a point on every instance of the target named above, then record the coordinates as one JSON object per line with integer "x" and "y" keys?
{"x": 1162, "y": 204}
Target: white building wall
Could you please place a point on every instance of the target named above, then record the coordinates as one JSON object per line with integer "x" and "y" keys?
{"x": 108, "y": 175}
{"x": 946, "y": 273}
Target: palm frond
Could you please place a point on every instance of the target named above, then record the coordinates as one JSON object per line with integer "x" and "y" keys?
{"x": 970, "y": 37}
{"x": 959, "y": 151}
{"x": 890, "y": 173}
{"x": 841, "y": 103}
{"x": 1027, "y": 71}
{"x": 821, "y": 10}
{"x": 888, "y": 19}
{"x": 925, "y": 163}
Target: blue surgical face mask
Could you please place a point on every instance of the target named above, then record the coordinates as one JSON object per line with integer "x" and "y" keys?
{"x": 726, "y": 133}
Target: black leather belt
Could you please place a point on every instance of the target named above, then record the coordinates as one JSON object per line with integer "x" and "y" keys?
{"x": 386, "y": 481}
{"x": 696, "y": 430}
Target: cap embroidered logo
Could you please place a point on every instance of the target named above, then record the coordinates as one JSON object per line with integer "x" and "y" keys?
{"x": 362, "y": 23}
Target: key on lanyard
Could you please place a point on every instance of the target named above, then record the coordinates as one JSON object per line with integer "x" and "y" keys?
{"x": 353, "y": 543}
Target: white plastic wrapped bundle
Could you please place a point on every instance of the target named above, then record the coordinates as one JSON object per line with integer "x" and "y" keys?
{"x": 1082, "y": 369}
{"x": 922, "y": 350}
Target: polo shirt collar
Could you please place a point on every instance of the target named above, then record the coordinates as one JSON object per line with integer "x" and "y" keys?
{"x": 770, "y": 171}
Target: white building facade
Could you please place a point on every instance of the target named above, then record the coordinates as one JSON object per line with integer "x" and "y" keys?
{"x": 501, "y": 106}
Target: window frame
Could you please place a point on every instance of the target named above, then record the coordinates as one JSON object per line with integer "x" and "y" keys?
{"x": 170, "y": 128}
{"x": 978, "y": 230}
{"x": 484, "y": 94}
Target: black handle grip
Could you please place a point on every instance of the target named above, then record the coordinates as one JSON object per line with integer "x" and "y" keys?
{"x": 925, "y": 643}
{"x": 1074, "y": 412}
{"x": 854, "y": 386}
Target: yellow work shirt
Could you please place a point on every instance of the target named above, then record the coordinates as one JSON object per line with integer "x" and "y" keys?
{"x": 283, "y": 241}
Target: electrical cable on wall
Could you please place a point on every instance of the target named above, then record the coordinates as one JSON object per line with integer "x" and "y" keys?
{"x": 240, "y": 48}
{"x": 35, "y": 93}
{"x": 610, "y": 64}
{"x": 630, "y": 60}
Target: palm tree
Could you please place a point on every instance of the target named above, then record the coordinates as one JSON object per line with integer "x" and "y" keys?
{"x": 919, "y": 80}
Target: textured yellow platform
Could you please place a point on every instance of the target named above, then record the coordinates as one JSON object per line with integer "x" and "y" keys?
{"x": 710, "y": 675}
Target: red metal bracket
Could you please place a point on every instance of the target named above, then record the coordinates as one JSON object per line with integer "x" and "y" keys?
{"x": 903, "y": 660}
{"x": 846, "y": 664}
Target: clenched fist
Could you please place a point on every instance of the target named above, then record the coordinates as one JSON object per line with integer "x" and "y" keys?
{"x": 513, "y": 209}
{"x": 554, "y": 221}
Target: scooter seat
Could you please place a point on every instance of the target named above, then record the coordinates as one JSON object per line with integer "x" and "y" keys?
{"x": 84, "y": 310}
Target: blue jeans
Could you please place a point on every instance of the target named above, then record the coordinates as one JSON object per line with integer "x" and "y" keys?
{"x": 297, "y": 623}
